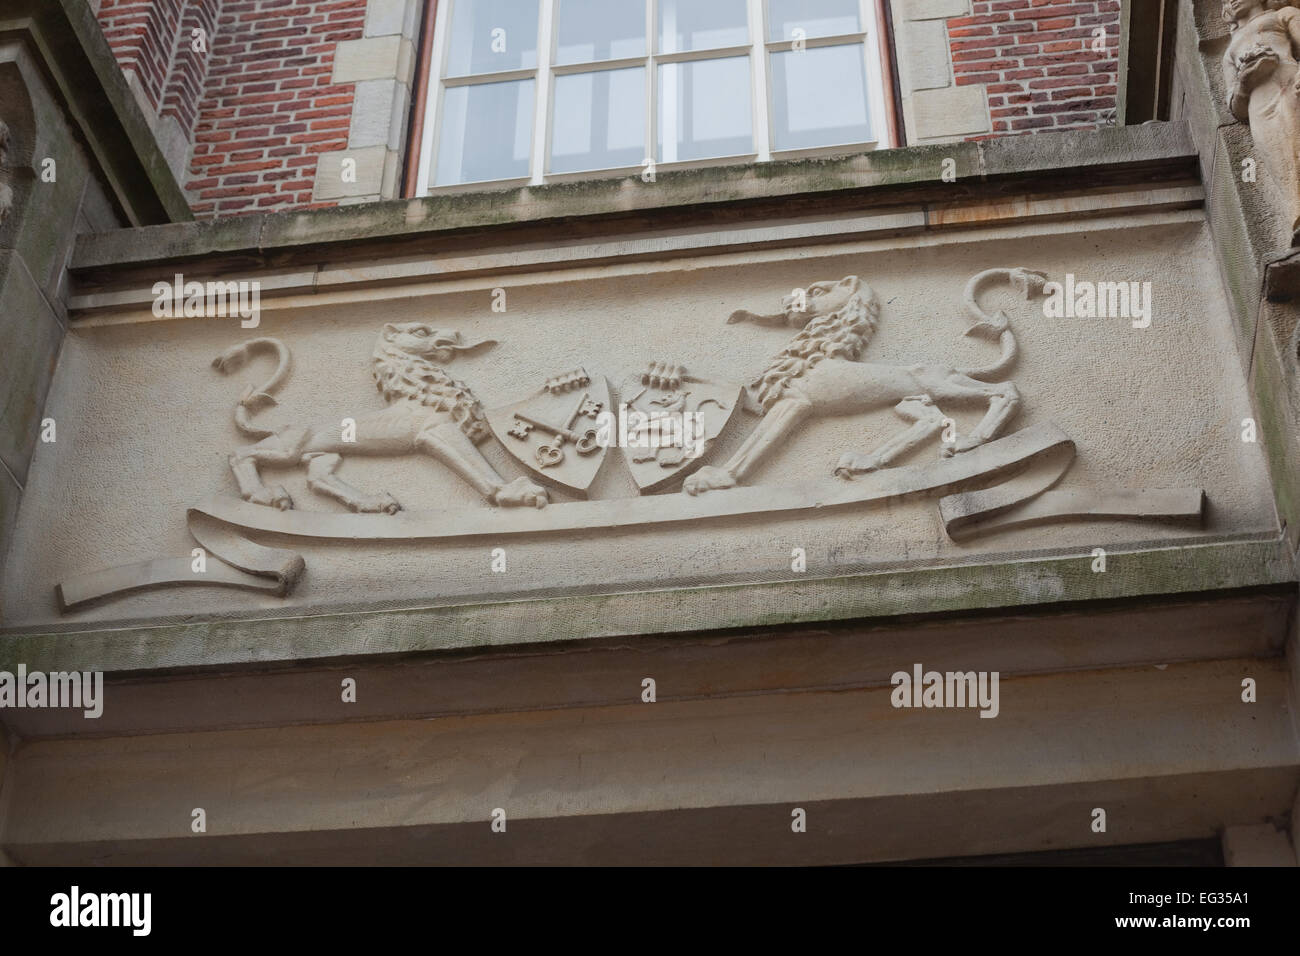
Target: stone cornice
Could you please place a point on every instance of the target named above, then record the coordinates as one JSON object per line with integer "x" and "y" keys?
{"x": 1040, "y": 164}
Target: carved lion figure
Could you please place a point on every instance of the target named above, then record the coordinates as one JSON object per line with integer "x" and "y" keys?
{"x": 819, "y": 373}
{"x": 428, "y": 412}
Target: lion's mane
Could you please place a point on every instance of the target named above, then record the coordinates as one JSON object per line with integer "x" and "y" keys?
{"x": 843, "y": 333}
{"x": 401, "y": 376}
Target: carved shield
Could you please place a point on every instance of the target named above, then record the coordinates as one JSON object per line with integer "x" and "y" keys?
{"x": 553, "y": 432}
{"x": 669, "y": 422}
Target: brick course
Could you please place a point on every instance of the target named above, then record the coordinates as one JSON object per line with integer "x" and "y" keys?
{"x": 142, "y": 34}
{"x": 1037, "y": 60}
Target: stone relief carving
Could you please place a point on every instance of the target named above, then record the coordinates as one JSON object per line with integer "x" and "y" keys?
{"x": 665, "y": 397}
{"x": 1261, "y": 72}
{"x": 553, "y": 432}
{"x": 819, "y": 373}
{"x": 988, "y": 482}
{"x": 428, "y": 412}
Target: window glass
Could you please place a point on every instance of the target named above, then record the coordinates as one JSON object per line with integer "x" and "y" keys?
{"x": 804, "y": 113}
{"x": 488, "y": 36}
{"x": 592, "y": 30}
{"x": 817, "y": 18}
{"x": 486, "y": 132}
{"x": 701, "y": 25}
{"x": 598, "y": 120}
{"x": 682, "y": 90}
{"x": 704, "y": 109}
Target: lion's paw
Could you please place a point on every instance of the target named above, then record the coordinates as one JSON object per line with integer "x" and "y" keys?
{"x": 378, "y": 504}
{"x": 521, "y": 493}
{"x": 852, "y": 463}
{"x": 960, "y": 446}
{"x": 709, "y": 478}
{"x": 271, "y": 497}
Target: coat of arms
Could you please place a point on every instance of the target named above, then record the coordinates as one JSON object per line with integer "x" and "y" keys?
{"x": 554, "y": 433}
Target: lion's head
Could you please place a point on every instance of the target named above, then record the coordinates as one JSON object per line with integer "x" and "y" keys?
{"x": 423, "y": 340}
{"x": 837, "y": 320}
{"x": 402, "y": 365}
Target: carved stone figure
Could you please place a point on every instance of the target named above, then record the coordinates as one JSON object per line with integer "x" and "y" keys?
{"x": 818, "y": 373}
{"x": 1261, "y": 71}
{"x": 428, "y": 412}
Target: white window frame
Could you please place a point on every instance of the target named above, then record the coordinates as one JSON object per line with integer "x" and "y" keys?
{"x": 758, "y": 50}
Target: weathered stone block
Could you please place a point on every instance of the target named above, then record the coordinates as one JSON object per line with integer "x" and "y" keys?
{"x": 29, "y": 344}
{"x": 388, "y": 17}
{"x": 933, "y": 9}
{"x": 373, "y": 58}
{"x": 379, "y": 112}
{"x": 1229, "y": 207}
{"x": 954, "y": 111}
{"x": 369, "y": 173}
{"x": 923, "y": 53}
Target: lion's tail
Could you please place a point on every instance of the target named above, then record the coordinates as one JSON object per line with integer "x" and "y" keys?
{"x": 995, "y": 327}
{"x": 255, "y": 399}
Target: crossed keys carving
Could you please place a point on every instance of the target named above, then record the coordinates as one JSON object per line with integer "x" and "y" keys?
{"x": 550, "y": 454}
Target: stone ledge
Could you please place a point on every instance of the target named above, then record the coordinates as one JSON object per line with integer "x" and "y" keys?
{"x": 547, "y": 620}
{"x": 687, "y": 665}
{"x": 863, "y": 180}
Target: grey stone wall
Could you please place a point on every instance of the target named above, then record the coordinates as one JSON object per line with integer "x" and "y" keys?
{"x": 55, "y": 195}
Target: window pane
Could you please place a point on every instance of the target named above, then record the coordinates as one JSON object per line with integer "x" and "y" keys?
{"x": 488, "y": 36}
{"x": 817, "y": 18}
{"x": 590, "y": 30}
{"x": 819, "y": 97}
{"x": 704, "y": 109}
{"x": 486, "y": 132}
{"x": 695, "y": 25}
{"x": 599, "y": 120}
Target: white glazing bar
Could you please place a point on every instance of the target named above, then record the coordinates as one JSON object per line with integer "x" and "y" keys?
{"x": 668, "y": 129}
{"x": 761, "y": 94}
{"x": 541, "y": 123}
{"x": 651, "y": 91}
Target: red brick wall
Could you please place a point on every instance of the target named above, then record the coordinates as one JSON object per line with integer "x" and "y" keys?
{"x": 1038, "y": 61}
{"x": 269, "y": 109}
{"x": 189, "y": 65}
{"x": 142, "y": 34}
{"x": 259, "y": 101}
